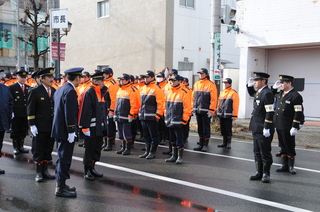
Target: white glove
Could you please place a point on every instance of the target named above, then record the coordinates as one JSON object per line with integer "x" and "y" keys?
{"x": 293, "y": 131}
{"x": 34, "y": 130}
{"x": 130, "y": 119}
{"x": 266, "y": 132}
{"x": 250, "y": 82}
{"x": 210, "y": 115}
{"x": 110, "y": 115}
{"x": 300, "y": 126}
{"x": 87, "y": 133}
{"x": 12, "y": 115}
{"x": 276, "y": 84}
{"x": 71, "y": 137}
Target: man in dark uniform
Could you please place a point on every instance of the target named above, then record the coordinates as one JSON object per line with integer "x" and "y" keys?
{"x": 93, "y": 122}
{"x": 40, "y": 117}
{"x": 19, "y": 92}
{"x": 6, "y": 108}
{"x": 288, "y": 120}
{"x": 261, "y": 124}
{"x": 64, "y": 129}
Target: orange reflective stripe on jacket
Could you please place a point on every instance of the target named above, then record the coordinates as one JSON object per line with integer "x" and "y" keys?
{"x": 204, "y": 96}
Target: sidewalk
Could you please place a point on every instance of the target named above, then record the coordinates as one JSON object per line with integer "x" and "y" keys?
{"x": 307, "y": 137}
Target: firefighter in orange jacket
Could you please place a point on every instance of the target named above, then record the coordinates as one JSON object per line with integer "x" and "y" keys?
{"x": 227, "y": 110}
{"x": 177, "y": 113}
{"x": 113, "y": 88}
{"x": 151, "y": 111}
{"x": 204, "y": 105}
{"x": 127, "y": 105}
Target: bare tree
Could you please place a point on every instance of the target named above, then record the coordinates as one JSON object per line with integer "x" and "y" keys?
{"x": 34, "y": 22}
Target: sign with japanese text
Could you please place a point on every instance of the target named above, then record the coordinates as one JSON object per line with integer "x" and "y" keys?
{"x": 55, "y": 51}
{"x": 5, "y": 39}
{"x": 217, "y": 56}
{"x": 59, "y": 18}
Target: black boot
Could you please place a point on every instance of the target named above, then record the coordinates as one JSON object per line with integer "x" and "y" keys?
{"x": 266, "y": 174}
{"x": 174, "y": 155}
{"x": 291, "y": 166}
{"x": 105, "y": 141}
{"x": 152, "y": 153}
{"x": 21, "y": 149}
{"x": 128, "y": 148}
{"x": 39, "y": 168}
{"x": 15, "y": 147}
{"x": 2, "y": 171}
{"x": 110, "y": 142}
{"x": 62, "y": 190}
{"x": 87, "y": 173}
{"x": 284, "y": 167}
{"x": 180, "y": 154}
{"x": 94, "y": 172}
{"x": 200, "y": 146}
{"x": 122, "y": 148}
{"x": 45, "y": 172}
{"x": 147, "y": 150}
{"x": 228, "y": 142}
{"x": 169, "y": 151}
{"x": 132, "y": 142}
{"x": 259, "y": 170}
{"x": 205, "y": 144}
{"x": 224, "y": 143}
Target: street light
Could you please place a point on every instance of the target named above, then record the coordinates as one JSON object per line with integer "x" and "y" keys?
{"x": 57, "y": 36}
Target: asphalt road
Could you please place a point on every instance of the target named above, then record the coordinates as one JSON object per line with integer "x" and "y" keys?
{"x": 215, "y": 180}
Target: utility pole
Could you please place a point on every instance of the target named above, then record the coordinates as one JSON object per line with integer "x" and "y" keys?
{"x": 215, "y": 42}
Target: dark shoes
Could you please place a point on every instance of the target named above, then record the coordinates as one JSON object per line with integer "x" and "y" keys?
{"x": 63, "y": 190}
{"x": 2, "y": 171}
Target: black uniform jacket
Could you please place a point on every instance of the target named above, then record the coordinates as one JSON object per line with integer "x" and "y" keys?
{"x": 263, "y": 110}
{"x": 19, "y": 99}
{"x": 65, "y": 112}
{"x": 289, "y": 110}
{"x": 40, "y": 108}
{"x": 92, "y": 113}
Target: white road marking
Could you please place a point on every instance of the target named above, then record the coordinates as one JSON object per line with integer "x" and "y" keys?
{"x": 195, "y": 185}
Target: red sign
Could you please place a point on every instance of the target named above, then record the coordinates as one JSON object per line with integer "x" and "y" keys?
{"x": 54, "y": 48}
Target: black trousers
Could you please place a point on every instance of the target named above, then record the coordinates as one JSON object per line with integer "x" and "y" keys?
{"x": 92, "y": 151}
{"x": 226, "y": 126}
{"x": 185, "y": 130}
{"x": 124, "y": 131}
{"x": 150, "y": 132}
{"x": 262, "y": 148}
{"x": 64, "y": 159}
{"x": 111, "y": 131}
{"x": 204, "y": 129}
{"x": 19, "y": 126}
{"x": 176, "y": 137}
{"x": 287, "y": 143}
{"x": 43, "y": 146}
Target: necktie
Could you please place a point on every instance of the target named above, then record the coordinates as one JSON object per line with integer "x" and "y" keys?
{"x": 22, "y": 87}
{"x": 48, "y": 92}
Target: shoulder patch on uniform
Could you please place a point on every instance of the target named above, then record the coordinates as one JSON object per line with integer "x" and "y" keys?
{"x": 158, "y": 86}
{"x": 184, "y": 90}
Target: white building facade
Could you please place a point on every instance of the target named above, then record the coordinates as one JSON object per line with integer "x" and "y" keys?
{"x": 280, "y": 37}
{"x": 135, "y": 36}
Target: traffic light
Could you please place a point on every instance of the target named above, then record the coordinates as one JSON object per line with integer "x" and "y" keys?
{"x": 228, "y": 15}
{"x": 6, "y": 35}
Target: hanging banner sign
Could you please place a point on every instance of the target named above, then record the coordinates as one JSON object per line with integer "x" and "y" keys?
{"x": 55, "y": 51}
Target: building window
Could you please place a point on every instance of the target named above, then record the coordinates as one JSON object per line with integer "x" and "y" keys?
{"x": 187, "y": 3}
{"x": 100, "y": 67}
{"x": 103, "y": 8}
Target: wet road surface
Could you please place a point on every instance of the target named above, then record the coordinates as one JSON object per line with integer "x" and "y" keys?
{"x": 215, "y": 180}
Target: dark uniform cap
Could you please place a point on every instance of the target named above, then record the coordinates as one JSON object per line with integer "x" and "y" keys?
{"x": 286, "y": 78}
{"x": 160, "y": 74}
{"x": 203, "y": 71}
{"x": 74, "y": 71}
{"x": 35, "y": 74}
{"x": 86, "y": 74}
{"x": 173, "y": 71}
{"x": 7, "y": 75}
{"x": 1, "y": 70}
{"x": 46, "y": 72}
{"x": 260, "y": 76}
{"x": 137, "y": 77}
{"x": 97, "y": 76}
{"x": 125, "y": 77}
{"x": 22, "y": 72}
{"x": 132, "y": 78}
{"x": 175, "y": 77}
{"x": 148, "y": 74}
{"x": 108, "y": 70}
{"x": 227, "y": 80}
{"x": 14, "y": 73}
{"x": 186, "y": 79}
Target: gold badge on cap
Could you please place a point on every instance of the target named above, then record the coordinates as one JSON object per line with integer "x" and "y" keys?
{"x": 51, "y": 71}
{"x": 280, "y": 77}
